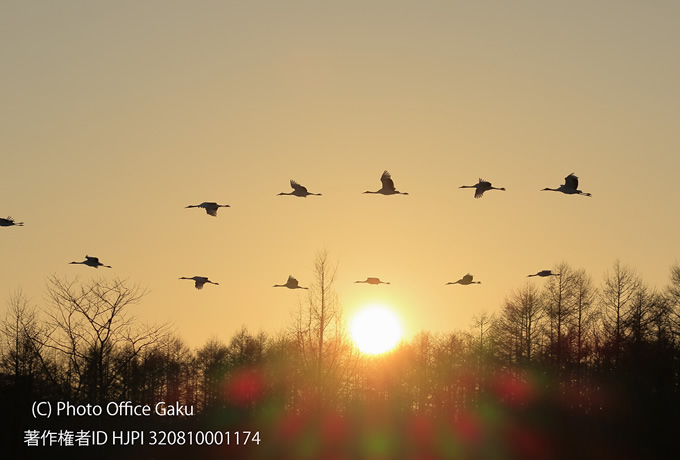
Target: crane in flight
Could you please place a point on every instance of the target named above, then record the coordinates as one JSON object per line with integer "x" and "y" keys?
{"x": 544, "y": 273}
{"x": 481, "y": 187}
{"x": 373, "y": 281}
{"x": 199, "y": 281}
{"x": 570, "y": 186}
{"x": 92, "y": 262}
{"x": 292, "y": 283}
{"x": 387, "y": 186}
{"x": 299, "y": 190}
{"x": 8, "y": 222}
{"x": 210, "y": 207}
{"x": 467, "y": 279}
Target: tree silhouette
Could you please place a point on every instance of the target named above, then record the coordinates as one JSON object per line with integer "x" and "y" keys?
{"x": 90, "y": 328}
{"x": 520, "y": 325}
{"x": 559, "y": 308}
{"x": 585, "y": 315}
{"x": 618, "y": 293}
{"x": 320, "y": 335}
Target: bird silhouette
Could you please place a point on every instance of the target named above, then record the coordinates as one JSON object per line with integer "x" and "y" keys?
{"x": 467, "y": 279}
{"x": 292, "y": 283}
{"x": 387, "y": 186}
{"x": 373, "y": 281}
{"x": 299, "y": 190}
{"x": 9, "y": 222}
{"x": 481, "y": 187}
{"x": 92, "y": 262}
{"x": 210, "y": 207}
{"x": 544, "y": 273}
{"x": 570, "y": 186}
{"x": 200, "y": 281}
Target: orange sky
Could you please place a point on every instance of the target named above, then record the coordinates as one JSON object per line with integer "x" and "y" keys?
{"x": 116, "y": 116}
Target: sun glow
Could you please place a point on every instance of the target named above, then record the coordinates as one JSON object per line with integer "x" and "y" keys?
{"x": 375, "y": 330}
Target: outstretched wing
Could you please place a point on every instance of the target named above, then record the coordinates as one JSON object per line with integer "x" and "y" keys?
{"x": 467, "y": 278}
{"x": 571, "y": 181}
{"x": 481, "y": 187}
{"x": 92, "y": 259}
{"x": 297, "y": 187}
{"x": 386, "y": 180}
{"x": 292, "y": 282}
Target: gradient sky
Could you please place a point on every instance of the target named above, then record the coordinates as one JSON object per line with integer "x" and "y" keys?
{"x": 117, "y": 115}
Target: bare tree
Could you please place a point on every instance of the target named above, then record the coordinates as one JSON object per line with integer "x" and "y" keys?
{"x": 320, "y": 335}
{"x": 638, "y": 324}
{"x": 245, "y": 348}
{"x": 90, "y": 327}
{"x": 559, "y": 308}
{"x": 21, "y": 333}
{"x": 584, "y": 313}
{"x": 520, "y": 325}
{"x": 481, "y": 325}
{"x": 618, "y": 294}
{"x": 673, "y": 300}
{"x": 213, "y": 364}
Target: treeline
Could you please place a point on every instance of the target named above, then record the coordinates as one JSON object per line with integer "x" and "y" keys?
{"x": 567, "y": 367}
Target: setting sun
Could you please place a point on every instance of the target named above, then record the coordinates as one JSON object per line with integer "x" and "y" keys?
{"x": 375, "y": 330}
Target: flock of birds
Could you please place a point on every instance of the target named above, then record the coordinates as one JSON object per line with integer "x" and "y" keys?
{"x": 570, "y": 187}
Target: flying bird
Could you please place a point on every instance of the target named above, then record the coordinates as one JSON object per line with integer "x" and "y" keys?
{"x": 292, "y": 283}
{"x": 9, "y": 222}
{"x": 570, "y": 186}
{"x": 299, "y": 190}
{"x": 210, "y": 207}
{"x": 200, "y": 281}
{"x": 92, "y": 262}
{"x": 387, "y": 186}
{"x": 373, "y": 281}
{"x": 544, "y": 273}
{"x": 481, "y": 187}
{"x": 467, "y": 279}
